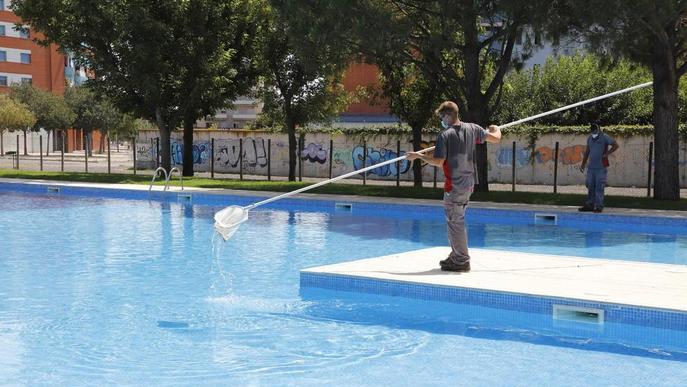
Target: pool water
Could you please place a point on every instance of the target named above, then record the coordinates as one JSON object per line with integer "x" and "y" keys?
{"x": 132, "y": 292}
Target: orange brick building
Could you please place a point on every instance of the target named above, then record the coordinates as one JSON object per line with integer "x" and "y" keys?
{"x": 22, "y": 60}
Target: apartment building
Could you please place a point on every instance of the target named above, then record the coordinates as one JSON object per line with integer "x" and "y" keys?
{"x": 22, "y": 60}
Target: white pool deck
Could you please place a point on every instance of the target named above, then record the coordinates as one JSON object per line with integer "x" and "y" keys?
{"x": 639, "y": 284}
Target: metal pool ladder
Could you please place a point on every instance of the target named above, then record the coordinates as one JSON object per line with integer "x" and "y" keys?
{"x": 168, "y": 176}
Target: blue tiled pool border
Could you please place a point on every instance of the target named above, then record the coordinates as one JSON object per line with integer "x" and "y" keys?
{"x": 625, "y": 314}
{"x": 676, "y": 225}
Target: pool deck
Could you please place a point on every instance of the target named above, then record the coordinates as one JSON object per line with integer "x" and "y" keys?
{"x": 635, "y": 284}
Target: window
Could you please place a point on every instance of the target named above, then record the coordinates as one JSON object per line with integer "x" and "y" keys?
{"x": 3, "y": 56}
{"x": 24, "y": 34}
{"x": 2, "y": 30}
{"x": 2, "y": 5}
{"x": 25, "y": 58}
{"x": 3, "y": 80}
{"x": 26, "y": 80}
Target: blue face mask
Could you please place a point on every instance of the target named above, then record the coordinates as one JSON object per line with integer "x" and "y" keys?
{"x": 445, "y": 125}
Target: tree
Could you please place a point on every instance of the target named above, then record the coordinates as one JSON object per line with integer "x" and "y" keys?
{"x": 464, "y": 48}
{"x": 300, "y": 75}
{"x": 93, "y": 112}
{"x": 51, "y": 111}
{"x": 568, "y": 79}
{"x": 411, "y": 96}
{"x": 652, "y": 33}
{"x": 13, "y": 116}
{"x": 166, "y": 61}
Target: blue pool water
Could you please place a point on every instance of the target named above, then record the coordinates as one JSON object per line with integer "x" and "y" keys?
{"x": 100, "y": 291}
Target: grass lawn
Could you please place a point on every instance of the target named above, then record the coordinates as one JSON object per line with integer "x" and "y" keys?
{"x": 353, "y": 189}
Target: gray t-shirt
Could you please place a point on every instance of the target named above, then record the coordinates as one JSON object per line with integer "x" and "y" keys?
{"x": 457, "y": 146}
{"x": 597, "y": 147}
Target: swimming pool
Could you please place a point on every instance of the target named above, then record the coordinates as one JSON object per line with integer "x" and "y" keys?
{"x": 124, "y": 291}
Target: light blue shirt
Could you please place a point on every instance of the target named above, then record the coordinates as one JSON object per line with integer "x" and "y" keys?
{"x": 597, "y": 147}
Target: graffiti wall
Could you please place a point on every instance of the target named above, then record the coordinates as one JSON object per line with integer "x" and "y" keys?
{"x": 535, "y": 165}
{"x": 252, "y": 151}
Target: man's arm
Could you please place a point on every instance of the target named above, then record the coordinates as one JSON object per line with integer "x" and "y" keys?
{"x": 493, "y": 134}
{"x": 428, "y": 158}
{"x": 614, "y": 147}
{"x": 584, "y": 159}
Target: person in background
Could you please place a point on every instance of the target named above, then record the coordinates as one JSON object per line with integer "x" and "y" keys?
{"x": 597, "y": 153}
{"x": 454, "y": 153}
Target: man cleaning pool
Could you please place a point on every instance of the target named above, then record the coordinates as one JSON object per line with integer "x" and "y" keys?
{"x": 455, "y": 153}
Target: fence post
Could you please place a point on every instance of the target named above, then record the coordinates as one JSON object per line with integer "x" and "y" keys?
{"x": 398, "y": 163}
{"x": 513, "y": 172}
{"x": 17, "y": 151}
{"x": 109, "y": 156}
{"x": 331, "y": 156}
{"x": 651, "y": 156}
{"x": 269, "y": 159}
{"x": 212, "y": 158}
{"x": 157, "y": 152}
{"x": 364, "y": 161}
{"x": 301, "y": 139}
{"x": 86, "y": 148}
{"x": 555, "y": 169}
{"x": 241, "y": 158}
{"x": 133, "y": 147}
{"x": 62, "y": 150}
{"x": 40, "y": 149}
{"x": 434, "y": 184}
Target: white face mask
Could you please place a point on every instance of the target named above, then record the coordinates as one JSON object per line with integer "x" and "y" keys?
{"x": 595, "y": 135}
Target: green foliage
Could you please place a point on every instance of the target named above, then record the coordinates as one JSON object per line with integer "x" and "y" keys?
{"x": 300, "y": 80}
{"x": 14, "y": 115}
{"x": 51, "y": 111}
{"x": 165, "y": 61}
{"x": 572, "y": 79}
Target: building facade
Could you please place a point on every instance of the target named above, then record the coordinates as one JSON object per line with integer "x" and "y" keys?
{"x": 22, "y": 60}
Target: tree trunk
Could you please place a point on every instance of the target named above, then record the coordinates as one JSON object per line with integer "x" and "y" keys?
{"x": 101, "y": 147}
{"x": 2, "y": 142}
{"x": 417, "y": 164}
{"x": 25, "y": 151}
{"x": 165, "y": 143}
{"x": 293, "y": 152}
{"x": 47, "y": 143}
{"x": 478, "y": 116}
{"x": 666, "y": 175}
{"x": 188, "y": 146}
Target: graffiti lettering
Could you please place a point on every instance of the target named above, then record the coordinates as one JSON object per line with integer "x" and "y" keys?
{"x": 378, "y": 156}
{"x": 144, "y": 152}
{"x": 504, "y": 157}
{"x": 573, "y": 154}
{"x": 567, "y": 156}
{"x": 314, "y": 153}
{"x": 254, "y": 154}
{"x": 201, "y": 152}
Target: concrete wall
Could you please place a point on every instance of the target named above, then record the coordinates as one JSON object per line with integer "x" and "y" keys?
{"x": 629, "y": 165}
{"x": 9, "y": 141}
